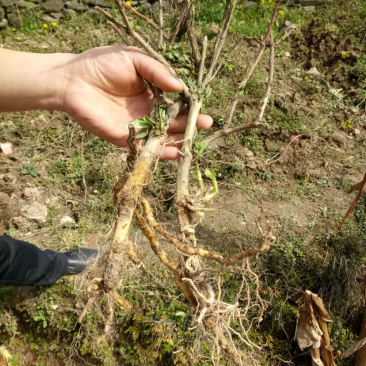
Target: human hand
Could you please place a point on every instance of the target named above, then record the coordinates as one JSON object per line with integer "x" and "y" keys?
{"x": 105, "y": 91}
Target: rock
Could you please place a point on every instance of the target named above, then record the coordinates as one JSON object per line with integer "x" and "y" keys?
{"x": 32, "y": 193}
{"x": 248, "y": 153}
{"x": 67, "y": 221}
{"x": 100, "y": 3}
{"x": 57, "y": 16}
{"x": 94, "y": 14}
{"x": 356, "y": 131}
{"x": 310, "y": 9}
{"x": 41, "y": 118}
{"x": 313, "y": 72}
{"x": 314, "y": 2}
{"x": 7, "y": 3}
{"x": 287, "y": 54}
{"x": 13, "y": 20}
{"x": 76, "y": 5}
{"x": 144, "y": 7}
{"x": 52, "y": 6}
{"x": 6, "y": 148}
{"x": 48, "y": 19}
{"x": 29, "y": 5}
{"x": 2, "y": 13}
{"x": 68, "y": 12}
{"x": 35, "y": 212}
{"x": 251, "y": 165}
{"x": 340, "y": 138}
{"x": 3, "y": 24}
{"x": 287, "y": 26}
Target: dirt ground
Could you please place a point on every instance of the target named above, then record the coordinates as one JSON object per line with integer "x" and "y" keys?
{"x": 294, "y": 174}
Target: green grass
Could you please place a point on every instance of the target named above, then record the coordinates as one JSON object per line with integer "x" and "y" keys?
{"x": 248, "y": 21}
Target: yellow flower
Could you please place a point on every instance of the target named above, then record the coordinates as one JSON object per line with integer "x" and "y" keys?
{"x": 263, "y": 2}
{"x": 343, "y": 124}
{"x": 349, "y": 126}
{"x": 281, "y": 12}
{"x": 128, "y": 3}
{"x": 54, "y": 25}
{"x": 45, "y": 26}
{"x": 14, "y": 29}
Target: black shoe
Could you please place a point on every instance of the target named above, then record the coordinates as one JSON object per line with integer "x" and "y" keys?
{"x": 79, "y": 258}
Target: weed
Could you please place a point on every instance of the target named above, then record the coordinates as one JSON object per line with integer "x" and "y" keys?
{"x": 29, "y": 169}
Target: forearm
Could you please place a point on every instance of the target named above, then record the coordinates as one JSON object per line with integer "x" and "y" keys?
{"x": 32, "y": 81}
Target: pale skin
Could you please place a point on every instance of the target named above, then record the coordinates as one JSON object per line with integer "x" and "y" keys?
{"x": 102, "y": 89}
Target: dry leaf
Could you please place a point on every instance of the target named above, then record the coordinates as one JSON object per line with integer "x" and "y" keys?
{"x": 308, "y": 333}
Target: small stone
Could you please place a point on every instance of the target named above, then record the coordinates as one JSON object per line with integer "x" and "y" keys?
{"x": 287, "y": 54}
{"x": 52, "y": 6}
{"x": 68, "y": 12}
{"x": 3, "y": 24}
{"x": 7, "y": 3}
{"x": 29, "y": 5}
{"x": 313, "y": 72}
{"x": 42, "y": 118}
{"x": 13, "y": 19}
{"x": 2, "y": 13}
{"x": 6, "y": 148}
{"x": 100, "y": 3}
{"x": 67, "y": 221}
{"x": 57, "y": 16}
{"x": 248, "y": 153}
{"x": 76, "y": 5}
{"x": 356, "y": 131}
{"x": 144, "y": 7}
{"x": 287, "y": 26}
{"x": 48, "y": 19}
{"x": 35, "y": 212}
{"x": 94, "y": 14}
{"x": 32, "y": 193}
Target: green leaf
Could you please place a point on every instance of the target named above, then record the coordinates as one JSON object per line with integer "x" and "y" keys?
{"x": 138, "y": 123}
{"x": 209, "y": 173}
{"x": 180, "y": 313}
{"x": 144, "y": 122}
{"x": 147, "y": 119}
{"x": 143, "y": 133}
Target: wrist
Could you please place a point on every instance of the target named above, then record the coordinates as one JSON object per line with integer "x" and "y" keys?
{"x": 52, "y": 79}
{"x": 33, "y": 81}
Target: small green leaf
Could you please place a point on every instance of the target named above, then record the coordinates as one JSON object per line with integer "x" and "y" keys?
{"x": 150, "y": 121}
{"x": 143, "y": 133}
{"x": 138, "y": 123}
{"x": 209, "y": 173}
{"x": 144, "y": 122}
{"x": 180, "y": 313}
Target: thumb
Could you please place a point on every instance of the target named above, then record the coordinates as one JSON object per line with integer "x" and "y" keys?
{"x": 155, "y": 72}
